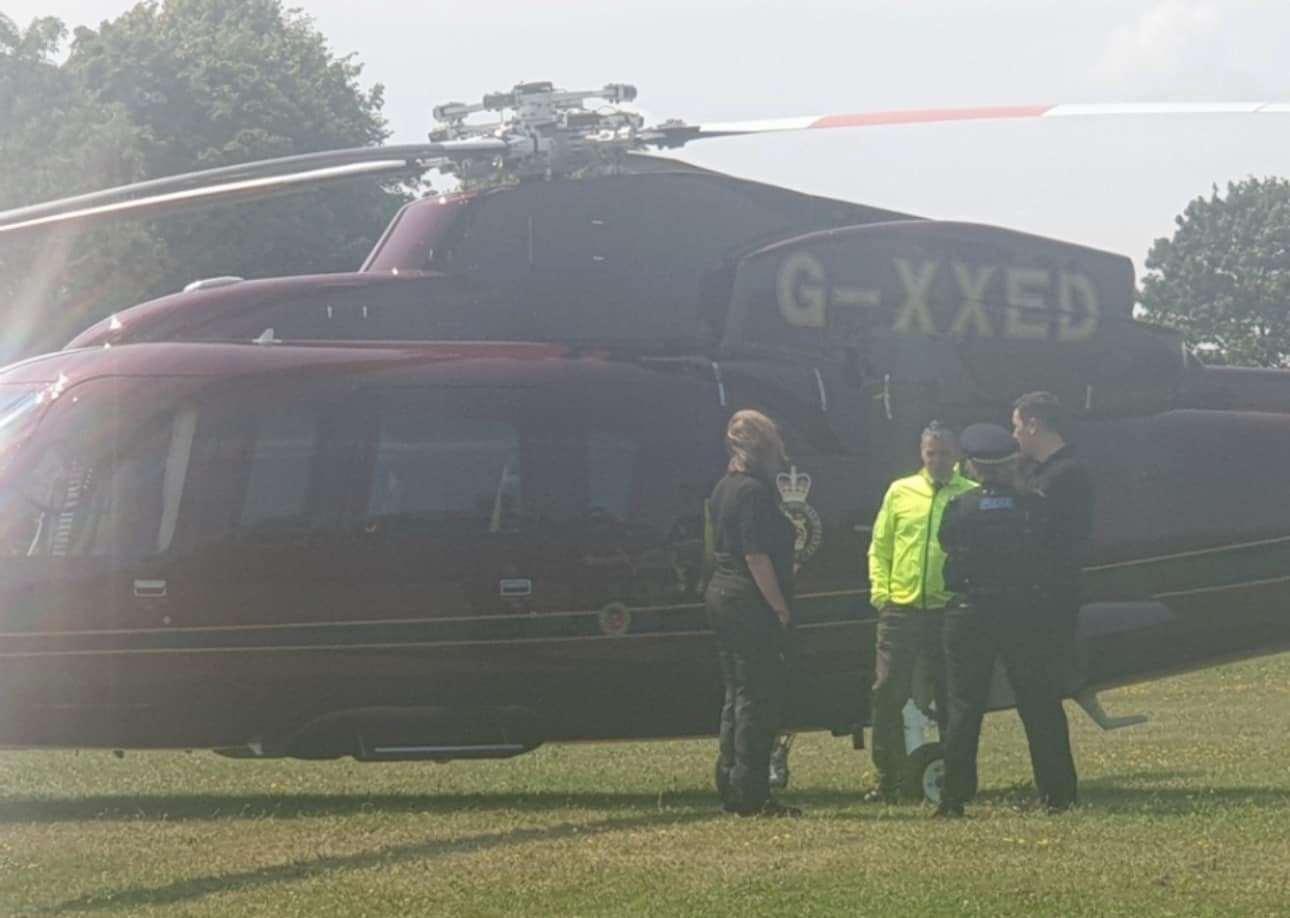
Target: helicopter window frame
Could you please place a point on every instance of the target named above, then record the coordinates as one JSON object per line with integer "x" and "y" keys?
{"x": 299, "y": 445}
{"x": 404, "y": 489}
{"x": 95, "y": 489}
{"x": 21, "y": 517}
{"x": 559, "y": 473}
{"x": 20, "y": 410}
{"x": 236, "y": 445}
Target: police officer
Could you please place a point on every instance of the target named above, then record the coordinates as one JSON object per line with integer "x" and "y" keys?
{"x": 1002, "y": 563}
{"x": 747, "y": 602}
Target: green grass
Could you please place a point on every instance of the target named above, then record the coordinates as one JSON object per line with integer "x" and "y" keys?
{"x": 1187, "y": 815}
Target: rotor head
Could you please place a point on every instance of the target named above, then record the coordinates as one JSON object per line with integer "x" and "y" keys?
{"x": 547, "y": 131}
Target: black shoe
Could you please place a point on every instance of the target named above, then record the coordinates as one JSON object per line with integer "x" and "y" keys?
{"x": 773, "y": 809}
{"x": 948, "y": 811}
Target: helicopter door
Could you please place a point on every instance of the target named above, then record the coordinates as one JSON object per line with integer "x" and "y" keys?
{"x": 483, "y": 501}
{"x": 439, "y": 487}
{"x": 616, "y": 466}
{"x": 260, "y": 534}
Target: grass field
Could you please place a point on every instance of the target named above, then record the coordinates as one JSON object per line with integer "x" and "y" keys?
{"x": 1187, "y": 815}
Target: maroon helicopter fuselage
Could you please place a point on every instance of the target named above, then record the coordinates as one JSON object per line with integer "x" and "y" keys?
{"x": 385, "y": 539}
{"x": 422, "y": 551}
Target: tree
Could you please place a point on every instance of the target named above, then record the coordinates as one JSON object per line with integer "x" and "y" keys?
{"x": 51, "y": 136}
{"x": 1224, "y": 277}
{"x": 167, "y": 88}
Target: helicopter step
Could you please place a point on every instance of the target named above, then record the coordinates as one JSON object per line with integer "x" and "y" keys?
{"x": 435, "y": 753}
{"x": 404, "y": 734}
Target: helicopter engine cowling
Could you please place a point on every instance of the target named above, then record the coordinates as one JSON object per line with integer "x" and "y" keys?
{"x": 979, "y": 309}
{"x": 638, "y": 261}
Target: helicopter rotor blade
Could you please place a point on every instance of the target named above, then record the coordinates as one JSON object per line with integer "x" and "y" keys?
{"x": 677, "y": 134}
{"x": 225, "y": 192}
{"x": 243, "y": 181}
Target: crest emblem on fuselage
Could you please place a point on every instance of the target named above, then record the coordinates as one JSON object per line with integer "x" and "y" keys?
{"x": 794, "y": 488}
{"x": 615, "y": 619}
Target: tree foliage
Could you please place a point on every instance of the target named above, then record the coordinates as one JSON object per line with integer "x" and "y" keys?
{"x": 1224, "y": 277}
{"x": 166, "y": 88}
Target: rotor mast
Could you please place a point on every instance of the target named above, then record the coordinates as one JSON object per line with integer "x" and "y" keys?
{"x": 548, "y": 132}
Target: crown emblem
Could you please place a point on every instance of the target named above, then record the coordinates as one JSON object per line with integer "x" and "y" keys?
{"x": 793, "y": 486}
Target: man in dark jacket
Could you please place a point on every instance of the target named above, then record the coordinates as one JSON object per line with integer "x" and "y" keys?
{"x": 1056, "y": 471}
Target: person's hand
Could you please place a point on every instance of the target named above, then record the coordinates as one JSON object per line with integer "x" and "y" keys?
{"x": 788, "y": 641}
{"x": 785, "y": 617}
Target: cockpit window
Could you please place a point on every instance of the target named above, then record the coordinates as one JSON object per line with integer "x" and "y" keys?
{"x": 19, "y": 409}
{"x": 92, "y": 490}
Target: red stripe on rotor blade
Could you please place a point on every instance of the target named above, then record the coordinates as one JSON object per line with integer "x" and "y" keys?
{"x": 924, "y": 115}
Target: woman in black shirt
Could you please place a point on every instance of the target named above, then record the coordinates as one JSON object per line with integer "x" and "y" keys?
{"x": 747, "y": 604}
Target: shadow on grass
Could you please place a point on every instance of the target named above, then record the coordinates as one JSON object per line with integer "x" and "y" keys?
{"x": 1149, "y": 792}
{"x": 1155, "y": 791}
{"x": 1175, "y": 792}
{"x": 1178, "y": 801}
{"x": 197, "y": 807}
{"x": 173, "y": 894}
{"x": 1146, "y": 776}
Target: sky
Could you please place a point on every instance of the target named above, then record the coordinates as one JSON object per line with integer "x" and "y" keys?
{"x": 1112, "y": 183}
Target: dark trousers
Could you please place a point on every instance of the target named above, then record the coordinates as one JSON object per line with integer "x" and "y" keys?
{"x": 1030, "y": 645}
{"x": 751, "y": 648}
{"x": 1064, "y": 606}
{"x": 904, "y": 634}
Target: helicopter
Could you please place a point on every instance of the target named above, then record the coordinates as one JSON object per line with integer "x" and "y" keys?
{"x": 450, "y": 505}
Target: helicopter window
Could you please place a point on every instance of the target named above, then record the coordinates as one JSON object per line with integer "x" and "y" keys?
{"x": 19, "y": 519}
{"x": 611, "y": 463}
{"x": 432, "y": 468}
{"x": 281, "y": 463}
{"x": 135, "y": 512}
{"x": 76, "y": 499}
{"x": 578, "y": 474}
{"x": 19, "y": 409}
{"x": 479, "y": 460}
{"x": 257, "y": 467}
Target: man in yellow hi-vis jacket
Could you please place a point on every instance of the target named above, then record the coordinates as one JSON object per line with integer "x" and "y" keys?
{"x": 907, "y": 587}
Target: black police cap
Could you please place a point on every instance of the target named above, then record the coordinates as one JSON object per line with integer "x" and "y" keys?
{"x": 988, "y": 443}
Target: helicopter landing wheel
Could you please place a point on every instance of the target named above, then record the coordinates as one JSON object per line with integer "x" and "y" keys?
{"x": 925, "y": 773}
{"x": 778, "y": 776}
{"x": 722, "y": 780}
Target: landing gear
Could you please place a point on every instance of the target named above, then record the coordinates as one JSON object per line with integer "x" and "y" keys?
{"x": 779, "y": 761}
{"x": 924, "y": 756}
{"x": 925, "y": 773}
